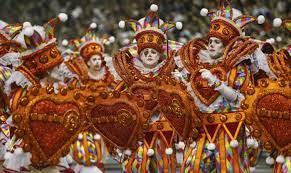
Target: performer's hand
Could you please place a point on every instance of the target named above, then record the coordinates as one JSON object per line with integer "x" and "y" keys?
{"x": 179, "y": 75}
{"x": 206, "y": 74}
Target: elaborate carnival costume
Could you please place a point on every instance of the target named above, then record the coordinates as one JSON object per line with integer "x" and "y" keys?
{"x": 143, "y": 117}
{"x": 166, "y": 116}
{"x": 95, "y": 71}
{"x": 219, "y": 70}
{"x": 8, "y": 60}
{"x": 38, "y": 56}
{"x": 90, "y": 49}
{"x": 267, "y": 106}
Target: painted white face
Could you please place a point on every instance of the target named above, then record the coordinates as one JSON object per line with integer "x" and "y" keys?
{"x": 215, "y": 47}
{"x": 95, "y": 63}
{"x": 150, "y": 57}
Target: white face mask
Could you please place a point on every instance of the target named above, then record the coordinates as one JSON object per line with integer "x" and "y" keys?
{"x": 215, "y": 48}
{"x": 95, "y": 63}
{"x": 150, "y": 57}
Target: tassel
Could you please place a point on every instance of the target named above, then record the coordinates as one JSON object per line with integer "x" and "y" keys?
{"x": 211, "y": 146}
{"x": 233, "y": 143}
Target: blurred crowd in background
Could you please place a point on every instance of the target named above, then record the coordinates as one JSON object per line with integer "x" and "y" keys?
{"x": 107, "y": 14}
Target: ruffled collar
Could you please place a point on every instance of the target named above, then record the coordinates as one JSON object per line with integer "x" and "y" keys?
{"x": 205, "y": 58}
{"x": 144, "y": 70}
{"x": 99, "y": 76}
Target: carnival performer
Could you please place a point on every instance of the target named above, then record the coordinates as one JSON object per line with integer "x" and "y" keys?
{"x": 9, "y": 53}
{"x": 141, "y": 65}
{"x": 87, "y": 59}
{"x": 5, "y": 73}
{"x": 38, "y": 59}
{"x": 279, "y": 62}
{"x": 217, "y": 71}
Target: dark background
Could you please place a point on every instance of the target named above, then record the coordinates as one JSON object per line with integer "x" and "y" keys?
{"x": 107, "y": 13}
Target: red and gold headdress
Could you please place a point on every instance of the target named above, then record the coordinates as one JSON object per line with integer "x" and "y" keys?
{"x": 90, "y": 44}
{"x": 150, "y": 31}
{"x": 223, "y": 23}
{"x": 39, "y": 51}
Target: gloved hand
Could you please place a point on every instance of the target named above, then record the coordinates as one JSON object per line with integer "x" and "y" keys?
{"x": 206, "y": 74}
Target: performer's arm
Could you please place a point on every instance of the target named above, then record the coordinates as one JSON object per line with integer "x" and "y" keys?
{"x": 225, "y": 90}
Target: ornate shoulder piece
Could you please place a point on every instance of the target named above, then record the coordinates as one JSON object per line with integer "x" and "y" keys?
{"x": 238, "y": 50}
{"x": 121, "y": 63}
{"x": 280, "y": 64}
{"x": 78, "y": 67}
{"x": 170, "y": 64}
{"x": 48, "y": 123}
{"x": 189, "y": 52}
{"x": 267, "y": 109}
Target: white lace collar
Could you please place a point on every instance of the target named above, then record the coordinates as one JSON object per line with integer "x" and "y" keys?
{"x": 205, "y": 58}
{"x": 144, "y": 70}
{"x": 100, "y": 75}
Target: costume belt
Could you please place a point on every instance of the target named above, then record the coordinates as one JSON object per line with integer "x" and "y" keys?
{"x": 230, "y": 123}
{"x": 222, "y": 118}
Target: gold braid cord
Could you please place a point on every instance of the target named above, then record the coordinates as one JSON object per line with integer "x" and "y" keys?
{"x": 30, "y": 76}
{"x": 267, "y": 109}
